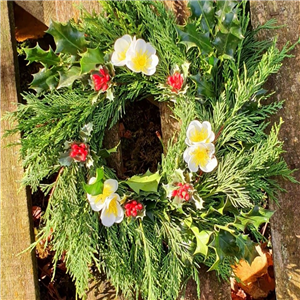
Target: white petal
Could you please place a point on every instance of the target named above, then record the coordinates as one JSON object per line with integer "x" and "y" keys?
{"x": 186, "y": 155}
{"x": 115, "y": 60}
{"x": 150, "y": 49}
{"x": 207, "y": 125}
{"x": 95, "y": 205}
{"x": 111, "y": 184}
{"x": 150, "y": 71}
{"x": 210, "y": 165}
{"x": 192, "y": 165}
{"x": 123, "y": 43}
{"x": 107, "y": 219}
{"x": 120, "y": 215}
{"x": 211, "y": 137}
{"x": 140, "y": 46}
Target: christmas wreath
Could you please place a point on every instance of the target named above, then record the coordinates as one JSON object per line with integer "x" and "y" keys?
{"x": 205, "y": 203}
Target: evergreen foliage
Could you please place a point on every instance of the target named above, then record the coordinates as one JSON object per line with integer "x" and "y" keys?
{"x": 224, "y": 70}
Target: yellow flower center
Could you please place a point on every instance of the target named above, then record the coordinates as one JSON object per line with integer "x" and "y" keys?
{"x": 107, "y": 190}
{"x": 141, "y": 61}
{"x": 200, "y": 156}
{"x": 198, "y": 135}
{"x": 122, "y": 55}
{"x": 112, "y": 207}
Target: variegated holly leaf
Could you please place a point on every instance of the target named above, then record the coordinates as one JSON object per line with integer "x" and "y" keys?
{"x": 67, "y": 38}
{"x": 204, "y": 10}
{"x": 90, "y": 59}
{"x": 44, "y": 80}
{"x": 46, "y": 58}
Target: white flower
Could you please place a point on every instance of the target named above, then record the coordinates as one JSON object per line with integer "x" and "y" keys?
{"x": 121, "y": 46}
{"x": 112, "y": 211}
{"x": 200, "y": 156}
{"x": 109, "y": 188}
{"x": 198, "y": 132}
{"x": 141, "y": 57}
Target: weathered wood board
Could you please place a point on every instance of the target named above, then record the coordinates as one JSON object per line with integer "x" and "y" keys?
{"x": 284, "y": 223}
{"x": 18, "y": 272}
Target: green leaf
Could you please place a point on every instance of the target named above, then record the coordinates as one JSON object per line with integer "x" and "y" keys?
{"x": 68, "y": 76}
{"x": 147, "y": 182}
{"x": 46, "y": 58}
{"x": 202, "y": 239}
{"x": 205, "y": 10}
{"x": 46, "y": 79}
{"x": 247, "y": 248}
{"x": 204, "y": 86}
{"x": 228, "y": 29}
{"x": 95, "y": 188}
{"x": 65, "y": 159}
{"x": 90, "y": 59}
{"x": 104, "y": 153}
{"x": 191, "y": 38}
{"x": 67, "y": 38}
{"x": 85, "y": 132}
{"x": 256, "y": 217}
{"x": 224, "y": 245}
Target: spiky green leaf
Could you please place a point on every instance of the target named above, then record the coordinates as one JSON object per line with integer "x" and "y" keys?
{"x": 147, "y": 182}
{"x": 67, "y": 38}
{"x": 46, "y": 58}
{"x": 190, "y": 37}
{"x": 206, "y": 11}
{"x": 247, "y": 248}
{"x": 90, "y": 59}
{"x": 45, "y": 80}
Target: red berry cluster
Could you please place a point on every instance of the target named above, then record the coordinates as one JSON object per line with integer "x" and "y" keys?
{"x": 182, "y": 192}
{"x": 79, "y": 152}
{"x": 101, "y": 80}
{"x": 132, "y": 208}
{"x": 175, "y": 81}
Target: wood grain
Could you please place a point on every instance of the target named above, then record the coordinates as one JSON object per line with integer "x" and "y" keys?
{"x": 18, "y": 272}
{"x": 284, "y": 223}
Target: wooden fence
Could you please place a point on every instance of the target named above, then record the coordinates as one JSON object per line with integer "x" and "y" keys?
{"x": 18, "y": 272}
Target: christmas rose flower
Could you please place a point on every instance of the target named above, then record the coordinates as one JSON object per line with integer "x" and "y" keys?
{"x": 121, "y": 46}
{"x": 141, "y": 57}
{"x": 200, "y": 156}
{"x": 97, "y": 202}
{"x": 112, "y": 211}
{"x": 198, "y": 132}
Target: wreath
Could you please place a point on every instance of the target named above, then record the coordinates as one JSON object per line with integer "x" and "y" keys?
{"x": 208, "y": 198}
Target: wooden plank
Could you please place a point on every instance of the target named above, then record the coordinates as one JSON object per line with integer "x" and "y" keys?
{"x": 58, "y": 10}
{"x": 284, "y": 224}
{"x": 18, "y": 272}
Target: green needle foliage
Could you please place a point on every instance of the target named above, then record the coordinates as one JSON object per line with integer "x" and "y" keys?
{"x": 223, "y": 70}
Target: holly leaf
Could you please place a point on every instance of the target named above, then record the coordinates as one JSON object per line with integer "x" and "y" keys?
{"x": 85, "y": 131}
{"x": 147, "y": 182}
{"x": 224, "y": 245}
{"x": 67, "y": 38}
{"x": 65, "y": 159}
{"x": 46, "y": 58}
{"x": 104, "y": 153}
{"x": 68, "y": 76}
{"x": 256, "y": 216}
{"x": 190, "y": 37}
{"x": 204, "y": 87}
{"x": 44, "y": 80}
{"x": 96, "y": 187}
{"x": 247, "y": 248}
{"x": 228, "y": 30}
{"x": 206, "y": 11}
{"x": 202, "y": 239}
{"x": 90, "y": 59}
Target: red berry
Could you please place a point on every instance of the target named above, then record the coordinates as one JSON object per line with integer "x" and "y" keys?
{"x": 134, "y": 202}
{"x": 74, "y": 146}
{"x": 187, "y": 186}
{"x": 179, "y": 184}
{"x": 187, "y": 197}
{"x": 134, "y": 213}
{"x": 127, "y": 205}
{"x": 127, "y": 213}
{"x": 174, "y": 193}
{"x": 73, "y": 154}
{"x": 83, "y": 146}
{"x": 139, "y": 206}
